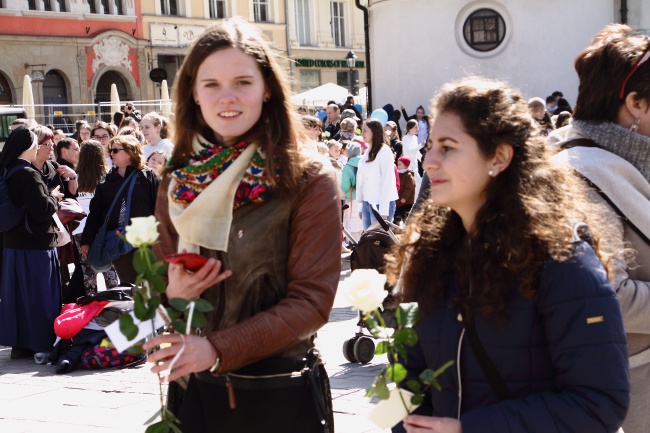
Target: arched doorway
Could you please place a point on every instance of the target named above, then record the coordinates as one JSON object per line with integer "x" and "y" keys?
{"x": 55, "y": 97}
{"x": 103, "y": 93}
{"x": 6, "y": 95}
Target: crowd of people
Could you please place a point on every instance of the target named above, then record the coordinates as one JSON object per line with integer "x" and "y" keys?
{"x": 524, "y": 238}
{"x": 58, "y": 172}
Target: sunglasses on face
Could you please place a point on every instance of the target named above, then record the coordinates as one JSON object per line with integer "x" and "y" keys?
{"x": 115, "y": 150}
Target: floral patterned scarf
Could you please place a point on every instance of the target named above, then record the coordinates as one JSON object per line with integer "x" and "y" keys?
{"x": 206, "y": 166}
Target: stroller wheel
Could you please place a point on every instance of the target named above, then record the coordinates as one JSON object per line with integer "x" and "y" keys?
{"x": 364, "y": 349}
{"x": 348, "y": 350}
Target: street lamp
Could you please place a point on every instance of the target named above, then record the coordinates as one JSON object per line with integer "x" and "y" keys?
{"x": 351, "y": 60}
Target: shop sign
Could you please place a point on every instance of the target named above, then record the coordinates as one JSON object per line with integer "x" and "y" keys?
{"x": 320, "y": 63}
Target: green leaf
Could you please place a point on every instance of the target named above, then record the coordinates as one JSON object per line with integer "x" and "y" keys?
{"x": 401, "y": 350}
{"x": 417, "y": 399}
{"x": 155, "y": 415}
{"x": 171, "y": 417}
{"x": 139, "y": 306}
{"x": 407, "y": 314}
{"x": 372, "y": 324}
{"x": 159, "y": 268}
{"x": 406, "y": 336}
{"x": 436, "y": 385}
{"x": 173, "y": 313}
{"x": 396, "y": 372}
{"x": 159, "y": 427}
{"x": 414, "y": 386}
{"x": 139, "y": 263}
{"x": 137, "y": 350}
{"x": 179, "y": 303}
{"x": 382, "y": 347}
{"x": 179, "y": 325}
{"x": 202, "y": 305}
{"x": 427, "y": 376}
{"x": 198, "y": 320}
{"x": 174, "y": 427}
{"x": 381, "y": 390}
{"x": 157, "y": 283}
{"x": 127, "y": 327}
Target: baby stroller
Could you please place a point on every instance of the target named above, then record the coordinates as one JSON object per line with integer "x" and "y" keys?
{"x": 368, "y": 253}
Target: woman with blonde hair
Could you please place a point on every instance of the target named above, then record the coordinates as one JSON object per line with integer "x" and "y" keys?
{"x": 503, "y": 260}
{"x": 155, "y": 129}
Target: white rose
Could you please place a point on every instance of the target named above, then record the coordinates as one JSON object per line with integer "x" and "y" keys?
{"x": 365, "y": 289}
{"x": 142, "y": 231}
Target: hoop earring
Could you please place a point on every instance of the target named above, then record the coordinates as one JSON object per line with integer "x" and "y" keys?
{"x": 635, "y": 125}
{"x": 491, "y": 173}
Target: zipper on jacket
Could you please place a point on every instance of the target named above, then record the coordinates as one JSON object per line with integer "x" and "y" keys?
{"x": 462, "y": 335}
{"x": 231, "y": 392}
{"x": 460, "y": 386}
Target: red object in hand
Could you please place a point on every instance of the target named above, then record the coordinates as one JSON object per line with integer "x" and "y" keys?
{"x": 190, "y": 261}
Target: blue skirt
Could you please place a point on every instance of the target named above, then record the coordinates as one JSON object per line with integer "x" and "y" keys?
{"x": 30, "y": 298}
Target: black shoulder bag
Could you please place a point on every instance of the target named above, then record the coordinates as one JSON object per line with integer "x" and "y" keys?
{"x": 108, "y": 246}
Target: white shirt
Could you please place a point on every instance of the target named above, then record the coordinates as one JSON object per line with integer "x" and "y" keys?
{"x": 165, "y": 145}
{"x": 411, "y": 149}
{"x": 84, "y": 201}
{"x": 376, "y": 181}
{"x": 423, "y": 131}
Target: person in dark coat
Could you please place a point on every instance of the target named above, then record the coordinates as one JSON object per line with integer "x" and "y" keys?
{"x": 126, "y": 153}
{"x": 30, "y": 287}
{"x": 509, "y": 274}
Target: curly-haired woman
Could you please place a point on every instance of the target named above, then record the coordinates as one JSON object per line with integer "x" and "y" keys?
{"x": 496, "y": 264}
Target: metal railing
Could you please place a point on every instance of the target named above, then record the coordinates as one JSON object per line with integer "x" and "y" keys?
{"x": 64, "y": 116}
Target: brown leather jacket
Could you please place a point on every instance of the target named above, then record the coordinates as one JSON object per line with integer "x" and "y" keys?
{"x": 286, "y": 263}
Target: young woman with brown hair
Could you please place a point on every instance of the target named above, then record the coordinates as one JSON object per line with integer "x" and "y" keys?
{"x": 238, "y": 191}
{"x": 495, "y": 263}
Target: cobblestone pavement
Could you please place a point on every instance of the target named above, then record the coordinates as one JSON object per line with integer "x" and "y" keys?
{"x": 34, "y": 399}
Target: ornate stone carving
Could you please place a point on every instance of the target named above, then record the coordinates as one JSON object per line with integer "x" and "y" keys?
{"x": 111, "y": 52}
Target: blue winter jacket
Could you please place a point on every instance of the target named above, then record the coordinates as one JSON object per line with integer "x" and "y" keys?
{"x": 563, "y": 355}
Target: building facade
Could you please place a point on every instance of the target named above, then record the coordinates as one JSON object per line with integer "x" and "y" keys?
{"x": 80, "y": 47}
{"x": 529, "y": 44}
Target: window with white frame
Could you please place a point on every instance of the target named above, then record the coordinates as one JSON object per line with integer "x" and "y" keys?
{"x": 303, "y": 28}
{"x": 217, "y": 9}
{"x": 261, "y": 11}
{"x": 338, "y": 23}
{"x": 119, "y": 7}
{"x": 169, "y": 7}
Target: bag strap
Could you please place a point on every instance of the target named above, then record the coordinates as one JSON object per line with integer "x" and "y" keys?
{"x": 127, "y": 213}
{"x": 585, "y": 142}
{"x": 579, "y": 142}
{"x": 488, "y": 367}
{"x": 117, "y": 196}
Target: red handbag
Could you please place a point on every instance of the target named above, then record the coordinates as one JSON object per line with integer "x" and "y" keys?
{"x": 74, "y": 317}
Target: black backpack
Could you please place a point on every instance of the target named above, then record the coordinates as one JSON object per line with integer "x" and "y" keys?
{"x": 11, "y": 215}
